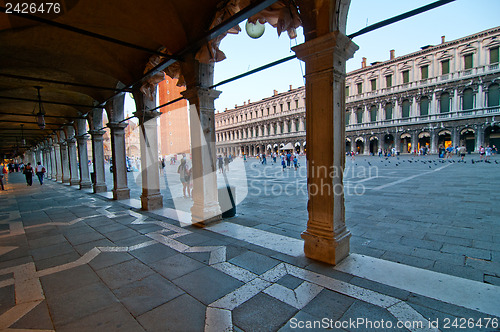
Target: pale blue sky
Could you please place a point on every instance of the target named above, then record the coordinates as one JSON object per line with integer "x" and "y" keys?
{"x": 454, "y": 20}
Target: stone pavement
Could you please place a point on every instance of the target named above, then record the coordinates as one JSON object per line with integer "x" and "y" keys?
{"x": 425, "y": 212}
{"x": 73, "y": 261}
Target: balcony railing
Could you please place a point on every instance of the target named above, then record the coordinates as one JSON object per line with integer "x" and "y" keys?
{"x": 476, "y": 71}
{"x": 479, "y": 112}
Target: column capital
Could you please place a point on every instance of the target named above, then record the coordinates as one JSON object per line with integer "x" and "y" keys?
{"x": 331, "y": 43}
{"x": 191, "y": 94}
{"x": 71, "y": 140}
{"x": 96, "y": 132}
{"x": 117, "y": 125}
{"x": 82, "y": 138}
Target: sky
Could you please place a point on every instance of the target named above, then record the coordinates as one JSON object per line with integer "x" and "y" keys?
{"x": 454, "y": 20}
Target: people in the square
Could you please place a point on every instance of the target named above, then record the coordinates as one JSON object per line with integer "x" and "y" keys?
{"x": 40, "y": 172}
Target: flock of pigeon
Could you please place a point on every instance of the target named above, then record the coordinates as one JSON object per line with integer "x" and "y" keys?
{"x": 433, "y": 162}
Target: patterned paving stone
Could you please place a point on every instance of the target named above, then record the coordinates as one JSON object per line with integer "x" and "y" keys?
{"x": 173, "y": 316}
{"x": 254, "y": 262}
{"x": 176, "y": 266}
{"x": 262, "y": 313}
{"x": 124, "y": 273}
{"x": 207, "y": 284}
{"x": 143, "y": 295}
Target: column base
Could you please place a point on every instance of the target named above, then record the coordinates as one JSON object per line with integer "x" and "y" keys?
{"x": 85, "y": 185}
{"x": 74, "y": 182}
{"x": 330, "y": 251}
{"x": 203, "y": 214}
{"x": 100, "y": 188}
{"x": 65, "y": 181}
{"x": 151, "y": 202}
{"x": 119, "y": 194}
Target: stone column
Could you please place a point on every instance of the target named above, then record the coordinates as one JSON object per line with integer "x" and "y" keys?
{"x": 479, "y": 137}
{"x": 74, "y": 178}
{"x": 397, "y": 141}
{"x": 56, "y": 166}
{"x": 433, "y": 109}
{"x": 205, "y": 196}
{"x": 151, "y": 199}
{"x": 98, "y": 160}
{"x": 84, "y": 164}
{"x": 367, "y": 142}
{"x": 63, "y": 146}
{"x": 326, "y": 237}
{"x": 480, "y": 96}
{"x": 73, "y": 162}
{"x": 434, "y": 141}
{"x": 120, "y": 186}
{"x": 455, "y": 105}
{"x": 301, "y": 124}
{"x": 455, "y": 137}
{"x": 81, "y": 126}
{"x": 414, "y": 141}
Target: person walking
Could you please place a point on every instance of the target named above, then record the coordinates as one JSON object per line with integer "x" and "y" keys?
{"x": 220, "y": 162}
{"x": 185, "y": 177}
{"x": 462, "y": 150}
{"x": 3, "y": 171}
{"x": 226, "y": 163}
{"x": 28, "y": 172}
{"x": 40, "y": 172}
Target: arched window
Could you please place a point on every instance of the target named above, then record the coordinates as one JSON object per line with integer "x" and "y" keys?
{"x": 406, "y": 109}
{"x": 424, "y": 106}
{"x": 444, "y": 102}
{"x": 388, "y": 111}
{"x": 359, "y": 115}
{"x": 493, "y": 95}
{"x": 468, "y": 99}
{"x": 373, "y": 113}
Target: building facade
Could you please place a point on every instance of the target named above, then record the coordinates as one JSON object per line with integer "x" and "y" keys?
{"x": 174, "y": 121}
{"x": 442, "y": 95}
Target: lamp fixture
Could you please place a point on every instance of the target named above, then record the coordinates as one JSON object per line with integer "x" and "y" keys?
{"x": 40, "y": 116}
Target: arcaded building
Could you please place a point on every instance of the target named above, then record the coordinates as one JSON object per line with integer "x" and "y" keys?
{"x": 442, "y": 95}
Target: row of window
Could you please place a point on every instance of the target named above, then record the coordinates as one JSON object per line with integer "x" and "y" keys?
{"x": 468, "y": 96}
{"x": 424, "y": 71}
{"x": 279, "y": 128}
{"x": 255, "y": 114}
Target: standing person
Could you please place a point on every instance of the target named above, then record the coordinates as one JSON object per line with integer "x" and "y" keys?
{"x": 462, "y": 150}
{"x": 274, "y": 157}
{"x": 288, "y": 158}
{"x": 482, "y": 152}
{"x": 28, "y": 172}
{"x": 489, "y": 152}
{"x": 226, "y": 163}
{"x": 295, "y": 162}
{"x": 40, "y": 171}
{"x": 3, "y": 171}
{"x": 244, "y": 158}
{"x": 220, "y": 162}
{"x": 185, "y": 177}
{"x": 264, "y": 160}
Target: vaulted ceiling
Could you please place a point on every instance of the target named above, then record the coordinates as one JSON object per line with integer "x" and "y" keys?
{"x": 80, "y": 54}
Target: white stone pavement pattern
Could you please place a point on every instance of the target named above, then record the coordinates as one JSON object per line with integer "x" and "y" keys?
{"x": 29, "y": 293}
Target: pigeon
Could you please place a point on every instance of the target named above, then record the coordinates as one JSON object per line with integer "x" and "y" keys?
{"x": 430, "y": 167}
{"x": 473, "y": 161}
